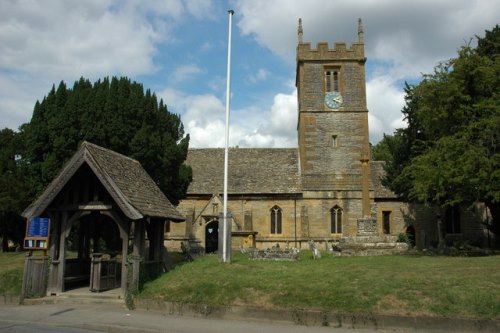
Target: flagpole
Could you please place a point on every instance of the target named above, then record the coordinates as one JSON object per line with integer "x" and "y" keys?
{"x": 226, "y": 250}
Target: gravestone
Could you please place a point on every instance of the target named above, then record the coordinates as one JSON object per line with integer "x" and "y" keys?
{"x": 367, "y": 226}
{"x": 314, "y": 249}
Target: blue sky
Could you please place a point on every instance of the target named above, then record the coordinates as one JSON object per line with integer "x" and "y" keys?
{"x": 178, "y": 49}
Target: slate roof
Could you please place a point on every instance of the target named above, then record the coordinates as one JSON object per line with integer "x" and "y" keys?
{"x": 124, "y": 178}
{"x": 258, "y": 171}
{"x": 251, "y": 170}
{"x": 377, "y": 173}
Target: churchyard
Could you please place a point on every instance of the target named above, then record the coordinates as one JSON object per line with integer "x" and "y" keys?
{"x": 465, "y": 287}
{"x": 400, "y": 285}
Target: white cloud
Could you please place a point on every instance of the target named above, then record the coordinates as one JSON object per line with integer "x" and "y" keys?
{"x": 203, "y": 117}
{"x": 385, "y": 100}
{"x": 16, "y": 101}
{"x": 86, "y": 39}
{"x": 261, "y": 75}
{"x": 46, "y": 42}
{"x": 186, "y": 72}
{"x": 200, "y": 8}
{"x": 411, "y": 35}
{"x": 42, "y": 43}
{"x": 401, "y": 43}
{"x": 275, "y": 128}
{"x": 283, "y": 118}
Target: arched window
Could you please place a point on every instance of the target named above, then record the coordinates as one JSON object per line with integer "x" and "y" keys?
{"x": 276, "y": 220}
{"x": 336, "y": 220}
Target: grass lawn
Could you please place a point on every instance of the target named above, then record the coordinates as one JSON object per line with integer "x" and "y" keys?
{"x": 11, "y": 272}
{"x": 401, "y": 285}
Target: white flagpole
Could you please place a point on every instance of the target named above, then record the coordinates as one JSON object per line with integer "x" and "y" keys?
{"x": 226, "y": 255}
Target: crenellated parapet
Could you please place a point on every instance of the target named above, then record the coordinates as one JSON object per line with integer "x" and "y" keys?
{"x": 324, "y": 53}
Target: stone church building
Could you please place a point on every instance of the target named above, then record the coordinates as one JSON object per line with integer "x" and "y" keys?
{"x": 327, "y": 189}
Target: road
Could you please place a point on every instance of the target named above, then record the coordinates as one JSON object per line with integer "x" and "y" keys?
{"x": 86, "y": 318}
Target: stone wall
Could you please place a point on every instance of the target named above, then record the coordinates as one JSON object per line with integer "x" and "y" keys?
{"x": 307, "y": 218}
{"x": 303, "y": 218}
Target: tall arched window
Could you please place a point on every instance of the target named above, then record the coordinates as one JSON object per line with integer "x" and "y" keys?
{"x": 336, "y": 220}
{"x": 276, "y": 220}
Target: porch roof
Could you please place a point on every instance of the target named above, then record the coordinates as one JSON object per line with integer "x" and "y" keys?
{"x": 130, "y": 186}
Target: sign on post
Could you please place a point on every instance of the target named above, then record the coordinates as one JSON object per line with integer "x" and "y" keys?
{"x": 37, "y": 233}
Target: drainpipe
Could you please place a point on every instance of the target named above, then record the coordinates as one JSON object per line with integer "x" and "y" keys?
{"x": 295, "y": 218}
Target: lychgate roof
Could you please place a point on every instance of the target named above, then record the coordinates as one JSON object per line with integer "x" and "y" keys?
{"x": 251, "y": 170}
{"x": 130, "y": 186}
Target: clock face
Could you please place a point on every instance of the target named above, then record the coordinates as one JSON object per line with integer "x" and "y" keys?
{"x": 333, "y": 99}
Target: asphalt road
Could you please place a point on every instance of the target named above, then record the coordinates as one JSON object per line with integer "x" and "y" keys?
{"x": 85, "y": 318}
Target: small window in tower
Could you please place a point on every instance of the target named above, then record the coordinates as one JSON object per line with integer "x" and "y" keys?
{"x": 335, "y": 81}
{"x": 328, "y": 81}
{"x": 334, "y": 141}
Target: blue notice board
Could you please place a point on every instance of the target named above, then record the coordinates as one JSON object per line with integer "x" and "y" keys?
{"x": 37, "y": 233}
{"x": 38, "y": 227}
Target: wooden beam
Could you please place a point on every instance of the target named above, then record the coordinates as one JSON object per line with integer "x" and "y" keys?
{"x": 93, "y": 206}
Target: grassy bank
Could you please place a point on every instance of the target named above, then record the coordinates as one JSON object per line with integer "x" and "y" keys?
{"x": 11, "y": 272}
{"x": 400, "y": 285}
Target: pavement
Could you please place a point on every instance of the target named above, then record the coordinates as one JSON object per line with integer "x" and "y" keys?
{"x": 87, "y": 318}
{"x": 99, "y": 312}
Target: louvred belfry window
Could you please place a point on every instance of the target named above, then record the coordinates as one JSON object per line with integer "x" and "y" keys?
{"x": 331, "y": 80}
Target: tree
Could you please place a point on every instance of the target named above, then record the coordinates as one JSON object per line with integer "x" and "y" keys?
{"x": 448, "y": 154}
{"x": 116, "y": 114}
{"x": 14, "y": 192}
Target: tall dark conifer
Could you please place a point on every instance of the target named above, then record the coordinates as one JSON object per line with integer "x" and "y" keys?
{"x": 114, "y": 113}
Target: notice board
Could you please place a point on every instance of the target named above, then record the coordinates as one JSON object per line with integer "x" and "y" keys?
{"x": 37, "y": 233}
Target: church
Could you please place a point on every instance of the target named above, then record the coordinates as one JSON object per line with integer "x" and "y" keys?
{"x": 328, "y": 189}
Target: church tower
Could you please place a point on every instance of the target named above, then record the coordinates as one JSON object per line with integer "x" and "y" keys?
{"x": 332, "y": 127}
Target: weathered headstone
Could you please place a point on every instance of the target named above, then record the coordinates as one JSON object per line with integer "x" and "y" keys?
{"x": 314, "y": 249}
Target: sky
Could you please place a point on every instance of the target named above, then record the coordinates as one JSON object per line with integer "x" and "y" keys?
{"x": 178, "y": 50}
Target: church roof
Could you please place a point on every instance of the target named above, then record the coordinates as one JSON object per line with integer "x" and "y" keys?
{"x": 258, "y": 171}
{"x": 124, "y": 178}
{"x": 251, "y": 170}
{"x": 377, "y": 173}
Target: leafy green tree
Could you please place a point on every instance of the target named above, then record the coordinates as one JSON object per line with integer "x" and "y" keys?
{"x": 449, "y": 153}
{"x": 114, "y": 113}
